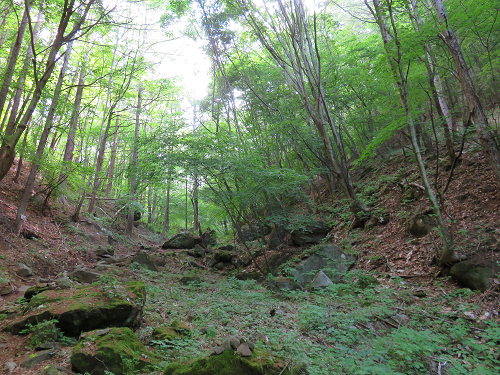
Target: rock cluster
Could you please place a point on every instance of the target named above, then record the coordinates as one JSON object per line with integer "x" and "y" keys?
{"x": 241, "y": 345}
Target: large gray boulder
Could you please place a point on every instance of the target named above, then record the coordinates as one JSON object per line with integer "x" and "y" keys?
{"x": 313, "y": 234}
{"x": 251, "y": 234}
{"x": 182, "y": 241}
{"x": 328, "y": 258}
{"x": 144, "y": 260}
{"x": 476, "y": 273}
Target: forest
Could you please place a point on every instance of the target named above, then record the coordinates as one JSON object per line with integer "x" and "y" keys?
{"x": 296, "y": 93}
{"x": 311, "y": 111}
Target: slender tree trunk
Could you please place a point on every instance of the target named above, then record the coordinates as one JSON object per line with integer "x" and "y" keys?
{"x": 112, "y": 159}
{"x": 392, "y": 47}
{"x": 135, "y": 159}
{"x": 186, "y": 205}
{"x": 5, "y": 31}
{"x": 478, "y": 115}
{"x": 436, "y": 88}
{"x": 6, "y": 115}
{"x": 20, "y": 162}
{"x": 7, "y": 149}
{"x": 99, "y": 162}
{"x": 166, "y": 220}
{"x": 13, "y": 55}
{"x": 103, "y": 137}
{"x": 41, "y": 144}
{"x": 153, "y": 208}
{"x": 11, "y": 123}
{"x": 73, "y": 124}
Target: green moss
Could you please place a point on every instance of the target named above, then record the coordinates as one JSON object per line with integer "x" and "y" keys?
{"x": 79, "y": 306}
{"x": 138, "y": 288}
{"x": 113, "y": 304}
{"x": 164, "y": 333}
{"x": 230, "y": 363}
{"x": 42, "y": 299}
{"x": 119, "y": 352}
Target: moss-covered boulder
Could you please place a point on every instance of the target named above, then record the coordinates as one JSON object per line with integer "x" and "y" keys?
{"x": 85, "y": 309}
{"x": 476, "y": 274}
{"x": 175, "y": 330}
{"x": 230, "y": 363}
{"x": 118, "y": 351}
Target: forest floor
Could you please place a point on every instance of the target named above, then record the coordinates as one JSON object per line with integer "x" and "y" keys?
{"x": 451, "y": 330}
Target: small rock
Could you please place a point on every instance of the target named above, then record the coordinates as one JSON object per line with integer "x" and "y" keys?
{"x": 321, "y": 281}
{"x": 39, "y": 357}
{"x": 185, "y": 280}
{"x": 64, "y": 282}
{"x": 24, "y": 270}
{"x": 226, "y": 345}
{"x": 84, "y": 276}
{"x": 217, "y": 350}
{"x": 104, "y": 252}
{"x": 48, "y": 346}
{"x": 5, "y": 289}
{"x": 145, "y": 261}
{"x": 10, "y": 366}
{"x": 244, "y": 350}
{"x": 470, "y": 315}
{"x": 99, "y": 332}
{"x": 251, "y": 345}
{"x": 234, "y": 342}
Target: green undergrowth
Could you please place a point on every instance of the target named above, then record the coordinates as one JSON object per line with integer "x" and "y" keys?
{"x": 329, "y": 331}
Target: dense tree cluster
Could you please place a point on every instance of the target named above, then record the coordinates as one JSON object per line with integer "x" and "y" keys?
{"x": 298, "y": 92}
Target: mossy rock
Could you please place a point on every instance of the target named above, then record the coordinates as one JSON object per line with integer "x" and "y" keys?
{"x": 476, "y": 274}
{"x": 119, "y": 352}
{"x": 176, "y": 330}
{"x": 85, "y": 309}
{"x": 34, "y": 290}
{"x": 230, "y": 363}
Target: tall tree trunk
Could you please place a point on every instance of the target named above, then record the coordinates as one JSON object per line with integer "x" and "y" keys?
{"x": 73, "y": 124}
{"x": 435, "y": 86}
{"x": 41, "y": 144}
{"x": 13, "y": 55}
{"x": 112, "y": 159}
{"x": 5, "y": 31}
{"x": 99, "y": 162}
{"x": 7, "y": 149}
{"x": 392, "y": 47}
{"x": 135, "y": 159}
{"x": 20, "y": 162}
{"x": 108, "y": 116}
{"x": 11, "y": 123}
{"x": 6, "y": 115}
{"x": 166, "y": 220}
{"x": 479, "y": 118}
